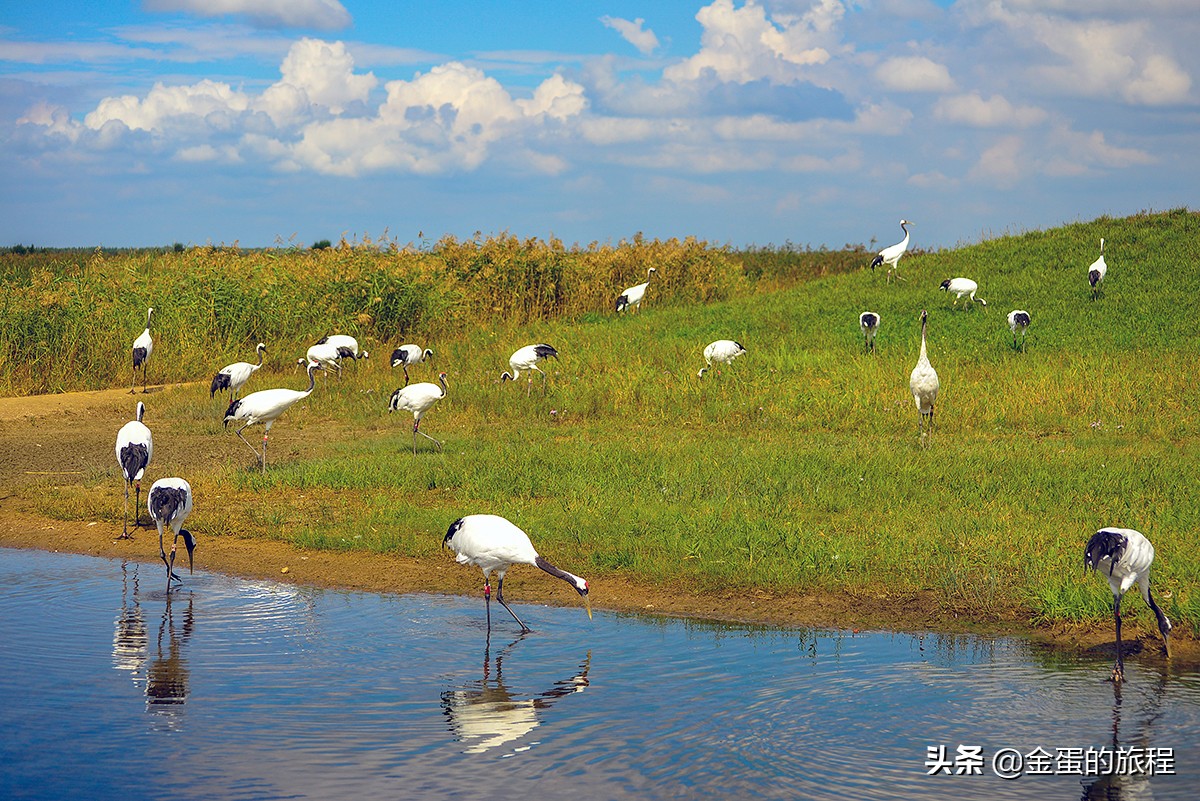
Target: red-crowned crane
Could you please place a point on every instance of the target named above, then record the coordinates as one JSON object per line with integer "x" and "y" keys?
{"x": 723, "y": 351}
{"x": 1125, "y": 556}
{"x": 325, "y": 354}
{"x": 347, "y": 346}
{"x": 1018, "y": 323}
{"x": 405, "y": 355}
{"x": 135, "y": 448}
{"x": 1096, "y": 272}
{"x": 869, "y": 323}
{"x": 170, "y": 502}
{"x": 234, "y": 376}
{"x": 493, "y": 544}
{"x": 633, "y": 296}
{"x": 891, "y": 254}
{"x": 960, "y": 287}
{"x": 418, "y": 399}
{"x": 924, "y": 381}
{"x": 142, "y": 347}
{"x": 265, "y": 406}
{"x": 526, "y": 358}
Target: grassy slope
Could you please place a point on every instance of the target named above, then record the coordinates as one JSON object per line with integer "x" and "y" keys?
{"x": 799, "y": 466}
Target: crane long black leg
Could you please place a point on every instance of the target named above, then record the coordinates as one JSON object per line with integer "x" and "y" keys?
{"x": 1119, "y": 668}
{"x": 500, "y": 598}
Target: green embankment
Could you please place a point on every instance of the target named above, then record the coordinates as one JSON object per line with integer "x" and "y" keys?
{"x": 798, "y": 467}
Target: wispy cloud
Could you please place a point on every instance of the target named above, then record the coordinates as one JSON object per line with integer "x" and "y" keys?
{"x": 633, "y": 32}
{"x": 325, "y": 15}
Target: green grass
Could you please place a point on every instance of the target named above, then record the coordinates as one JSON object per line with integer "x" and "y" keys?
{"x": 799, "y": 466}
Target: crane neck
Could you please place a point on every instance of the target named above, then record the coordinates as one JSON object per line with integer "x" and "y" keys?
{"x": 924, "y": 352}
{"x": 442, "y": 381}
{"x": 312, "y": 377}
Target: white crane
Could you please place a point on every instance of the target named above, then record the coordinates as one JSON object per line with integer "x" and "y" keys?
{"x": 1097, "y": 271}
{"x": 633, "y": 296}
{"x": 493, "y": 544}
{"x": 265, "y": 406}
{"x": 325, "y": 354}
{"x": 234, "y": 376}
{"x": 1018, "y": 323}
{"x": 526, "y": 359}
{"x": 869, "y": 323}
{"x": 723, "y": 351}
{"x": 418, "y": 399}
{"x": 170, "y": 502}
{"x": 1125, "y": 556}
{"x": 142, "y": 347}
{"x": 924, "y": 381}
{"x": 347, "y": 346}
{"x": 405, "y": 355}
{"x": 135, "y": 448}
{"x": 891, "y": 254}
{"x": 960, "y": 287}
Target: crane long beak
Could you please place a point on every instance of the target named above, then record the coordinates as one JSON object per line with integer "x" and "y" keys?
{"x": 588, "y": 605}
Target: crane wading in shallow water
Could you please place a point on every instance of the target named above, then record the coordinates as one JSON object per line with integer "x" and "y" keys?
{"x": 493, "y": 544}
{"x": 265, "y": 406}
{"x": 891, "y": 254}
{"x": 170, "y": 502}
{"x": 1125, "y": 556}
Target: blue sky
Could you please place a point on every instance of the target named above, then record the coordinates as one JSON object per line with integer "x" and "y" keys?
{"x": 818, "y": 122}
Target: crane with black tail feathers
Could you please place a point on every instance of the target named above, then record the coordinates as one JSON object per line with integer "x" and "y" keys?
{"x": 1125, "y": 556}
{"x": 418, "y": 399}
{"x": 869, "y": 323}
{"x": 234, "y": 376}
{"x": 266, "y": 406}
{"x": 1018, "y": 323}
{"x": 143, "y": 346}
{"x": 346, "y": 346}
{"x": 891, "y": 254}
{"x": 723, "y": 351}
{"x": 494, "y": 544}
{"x": 632, "y": 297}
{"x": 170, "y": 503}
{"x": 135, "y": 449}
{"x": 1096, "y": 272}
{"x": 526, "y": 358}
{"x": 405, "y": 355}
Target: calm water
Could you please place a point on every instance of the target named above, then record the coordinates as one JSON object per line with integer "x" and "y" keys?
{"x": 241, "y": 689}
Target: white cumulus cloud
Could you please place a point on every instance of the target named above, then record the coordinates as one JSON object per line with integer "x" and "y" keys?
{"x": 914, "y": 74}
{"x": 633, "y": 32}
{"x": 995, "y": 112}
{"x": 743, "y": 44}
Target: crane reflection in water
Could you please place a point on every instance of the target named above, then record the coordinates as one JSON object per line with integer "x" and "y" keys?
{"x": 486, "y": 714}
{"x": 1122, "y": 785}
{"x": 161, "y": 671}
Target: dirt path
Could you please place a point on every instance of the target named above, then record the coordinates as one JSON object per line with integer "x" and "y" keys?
{"x": 63, "y": 439}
